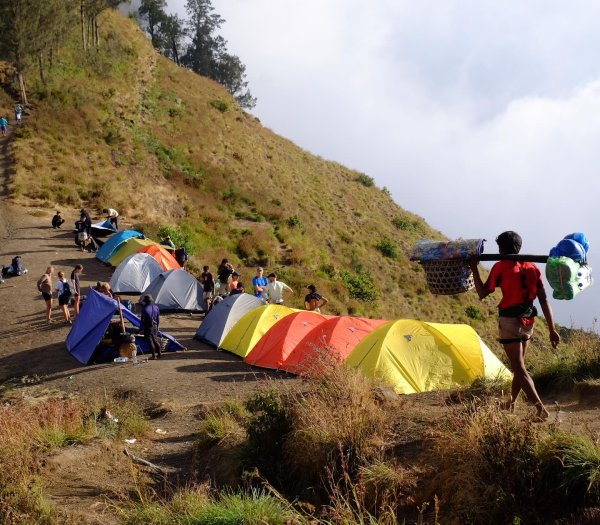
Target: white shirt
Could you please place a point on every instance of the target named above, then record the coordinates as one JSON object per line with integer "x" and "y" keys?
{"x": 113, "y": 213}
{"x": 275, "y": 291}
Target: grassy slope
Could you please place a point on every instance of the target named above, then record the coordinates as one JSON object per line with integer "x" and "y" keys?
{"x": 126, "y": 128}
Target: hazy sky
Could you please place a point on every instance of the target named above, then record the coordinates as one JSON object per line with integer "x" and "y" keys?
{"x": 479, "y": 116}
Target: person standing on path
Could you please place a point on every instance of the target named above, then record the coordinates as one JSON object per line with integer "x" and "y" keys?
{"x": 208, "y": 288}
{"x": 18, "y": 114}
{"x": 44, "y": 285}
{"x": 87, "y": 221}
{"x": 521, "y": 283}
{"x": 76, "y": 288}
{"x": 64, "y": 293}
{"x": 314, "y": 301}
{"x": 149, "y": 322}
{"x": 259, "y": 283}
{"x": 224, "y": 271}
{"x": 3, "y": 125}
{"x": 275, "y": 289}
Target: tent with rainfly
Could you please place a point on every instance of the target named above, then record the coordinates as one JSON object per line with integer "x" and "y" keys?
{"x": 416, "y": 356}
{"x": 275, "y": 347}
{"x": 252, "y": 326}
{"x": 135, "y": 274}
{"x": 224, "y": 315}
{"x": 91, "y": 324}
{"x": 176, "y": 290}
{"x": 337, "y": 336}
{"x": 162, "y": 256}
{"x": 129, "y": 247}
{"x": 114, "y": 243}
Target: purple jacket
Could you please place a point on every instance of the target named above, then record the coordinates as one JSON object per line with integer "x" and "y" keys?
{"x": 150, "y": 316}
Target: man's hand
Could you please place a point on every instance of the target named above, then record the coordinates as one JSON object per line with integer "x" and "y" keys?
{"x": 473, "y": 263}
{"x": 554, "y": 338}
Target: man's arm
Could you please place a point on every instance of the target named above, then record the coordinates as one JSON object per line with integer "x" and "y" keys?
{"x": 324, "y": 301}
{"x": 286, "y": 287}
{"x": 554, "y": 336}
{"x": 482, "y": 291}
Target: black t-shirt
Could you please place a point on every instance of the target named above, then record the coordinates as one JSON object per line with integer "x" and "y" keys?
{"x": 311, "y": 296}
{"x": 208, "y": 282}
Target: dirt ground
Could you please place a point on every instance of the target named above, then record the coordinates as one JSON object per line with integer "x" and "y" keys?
{"x": 34, "y": 361}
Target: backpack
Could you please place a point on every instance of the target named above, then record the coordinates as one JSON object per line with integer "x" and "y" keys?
{"x": 67, "y": 292}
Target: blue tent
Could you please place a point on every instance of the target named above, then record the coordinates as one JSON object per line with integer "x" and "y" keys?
{"x": 115, "y": 242}
{"x": 90, "y": 326}
{"x": 224, "y": 315}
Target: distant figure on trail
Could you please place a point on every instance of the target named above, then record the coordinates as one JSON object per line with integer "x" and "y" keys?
{"x": 208, "y": 287}
{"x": 314, "y": 301}
{"x": 149, "y": 323}
{"x": 224, "y": 273}
{"x": 3, "y": 125}
{"x": 18, "y": 114}
{"x": 112, "y": 216}
{"x": 275, "y": 289}
{"x": 235, "y": 277}
{"x": 44, "y": 285}
{"x": 64, "y": 293}
{"x": 57, "y": 220}
{"x": 521, "y": 283}
{"x": 77, "y": 271}
{"x": 259, "y": 282}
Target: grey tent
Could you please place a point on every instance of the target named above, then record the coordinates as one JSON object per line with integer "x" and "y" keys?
{"x": 224, "y": 315}
{"x": 176, "y": 290}
{"x": 135, "y": 274}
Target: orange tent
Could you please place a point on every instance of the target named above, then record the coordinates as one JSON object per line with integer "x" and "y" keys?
{"x": 338, "y": 336}
{"x": 274, "y": 347}
{"x": 162, "y": 256}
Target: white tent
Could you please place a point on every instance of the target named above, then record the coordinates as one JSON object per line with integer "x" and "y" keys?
{"x": 176, "y": 290}
{"x": 135, "y": 274}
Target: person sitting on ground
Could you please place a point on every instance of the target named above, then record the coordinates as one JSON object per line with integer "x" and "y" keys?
{"x": 57, "y": 220}
{"x": 259, "y": 282}
{"x": 98, "y": 287}
{"x": 3, "y": 125}
{"x": 238, "y": 289}
{"x": 64, "y": 293}
{"x": 149, "y": 323}
{"x": 314, "y": 301}
{"x": 105, "y": 289}
{"x": 15, "y": 268}
{"x": 521, "y": 283}
{"x": 112, "y": 216}
{"x": 77, "y": 271}
{"x": 168, "y": 243}
{"x": 275, "y": 289}
{"x": 18, "y": 114}
{"x": 44, "y": 285}
{"x": 235, "y": 277}
{"x": 224, "y": 272}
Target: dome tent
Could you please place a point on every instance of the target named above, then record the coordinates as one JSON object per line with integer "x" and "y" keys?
{"x": 129, "y": 247}
{"x": 176, "y": 290}
{"x": 135, "y": 274}
{"x": 162, "y": 256}
{"x": 415, "y": 356}
{"x": 224, "y": 315}
{"x": 108, "y": 249}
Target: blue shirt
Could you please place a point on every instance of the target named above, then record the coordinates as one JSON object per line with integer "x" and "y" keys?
{"x": 3, "y": 122}
{"x": 262, "y": 282}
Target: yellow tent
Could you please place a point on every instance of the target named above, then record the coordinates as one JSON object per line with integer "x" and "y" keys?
{"x": 129, "y": 247}
{"x": 415, "y": 356}
{"x": 252, "y": 326}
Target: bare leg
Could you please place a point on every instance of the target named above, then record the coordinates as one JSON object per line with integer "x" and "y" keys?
{"x": 76, "y": 307}
{"x": 48, "y": 309}
{"x": 521, "y": 378}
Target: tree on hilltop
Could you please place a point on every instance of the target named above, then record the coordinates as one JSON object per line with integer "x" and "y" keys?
{"x": 173, "y": 33}
{"x": 153, "y": 12}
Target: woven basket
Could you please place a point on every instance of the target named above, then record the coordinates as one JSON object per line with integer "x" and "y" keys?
{"x": 448, "y": 277}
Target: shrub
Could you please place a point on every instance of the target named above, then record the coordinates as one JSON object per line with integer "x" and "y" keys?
{"x": 365, "y": 180}
{"x": 268, "y": 422}
{"x": 388, "y": 248}
{"x": 221, "y": 105}
{"x": 474, "y": 313}
{"x": 293, "y": 221}
{"x": 403, "y": 224}
{"x": 180, "y": 238}
{"x": 23, "y": 132}
{"x": 361, "y": 286}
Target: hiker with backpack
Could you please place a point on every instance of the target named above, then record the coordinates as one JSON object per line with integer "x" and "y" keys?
{"x": 521, "y": 283}
{"x": 64, "y": 294}
{"x": 18, "y": 114}
{"x": 44, "y": 285}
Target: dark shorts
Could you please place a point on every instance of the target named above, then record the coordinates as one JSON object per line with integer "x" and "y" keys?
{"x": 46, "y": 296}
{"x": 62, "y": 300}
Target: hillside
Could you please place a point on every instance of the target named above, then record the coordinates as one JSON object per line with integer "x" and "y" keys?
{"x": 124, "y": 127}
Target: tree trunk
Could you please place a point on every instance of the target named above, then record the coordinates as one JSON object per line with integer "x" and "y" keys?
{"x": 41, "y": 69}
{"x": 22, "y": 88}
{"x": 82, "y": 21}
{"x": 96, "y": 31}
{"x": 175, "y": 52}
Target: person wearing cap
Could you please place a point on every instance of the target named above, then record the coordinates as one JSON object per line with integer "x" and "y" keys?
{"x": 259, "y": 283}
{"x": 149, "y": 324}
{"x": 112, "y": 216}
{"x": 57, "y": 220}
{"x": 275, "y": 289}
{"x": 235, "y": 279}
{"x": 314, "y": 301}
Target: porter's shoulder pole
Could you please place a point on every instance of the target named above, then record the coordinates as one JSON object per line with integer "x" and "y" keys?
{"x": 513, "y": 257}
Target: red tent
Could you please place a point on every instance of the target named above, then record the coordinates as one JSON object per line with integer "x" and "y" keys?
{"x": 273, "y": 348}
{"x": 338, "y": 335}
{"x": 162, "y": 256}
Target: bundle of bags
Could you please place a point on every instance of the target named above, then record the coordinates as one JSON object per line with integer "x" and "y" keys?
{"x": 567, "y": 270}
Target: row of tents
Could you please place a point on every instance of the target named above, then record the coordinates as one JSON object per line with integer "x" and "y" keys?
{"x": 411, "y": 355}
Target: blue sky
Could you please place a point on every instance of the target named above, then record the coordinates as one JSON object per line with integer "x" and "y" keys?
{"x": 479, "y": 116}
